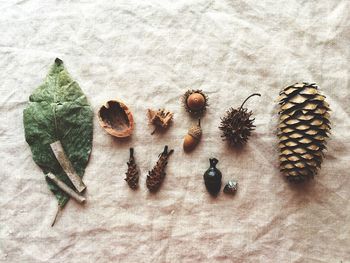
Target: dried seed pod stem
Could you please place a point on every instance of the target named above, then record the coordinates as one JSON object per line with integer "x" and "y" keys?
{"x": 156, "y": 176}
{"x": 254, "y": 94}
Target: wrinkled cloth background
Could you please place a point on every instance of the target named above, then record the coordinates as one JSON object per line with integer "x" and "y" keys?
{"x": 148, "y": 53}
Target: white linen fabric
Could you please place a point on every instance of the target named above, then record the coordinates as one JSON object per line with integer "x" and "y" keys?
{"x": 148, "y": 53}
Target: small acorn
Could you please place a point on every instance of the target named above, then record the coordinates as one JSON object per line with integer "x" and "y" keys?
{"x": 195, "y": 101}
{"x": 193, "y": 137}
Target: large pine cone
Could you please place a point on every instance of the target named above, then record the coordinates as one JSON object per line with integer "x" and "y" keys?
{"x": 303, "y": 128}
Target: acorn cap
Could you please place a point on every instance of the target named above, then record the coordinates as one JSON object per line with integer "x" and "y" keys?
{"x": 196, "y": 131}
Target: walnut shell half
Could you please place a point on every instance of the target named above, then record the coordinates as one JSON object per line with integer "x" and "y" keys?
{"x": 116, "y": 118}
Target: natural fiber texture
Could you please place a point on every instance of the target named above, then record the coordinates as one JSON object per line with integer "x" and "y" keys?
{"x": 303, "y": 129}
{"x": 156, "y": 176}
{"x": 132, "y": 174}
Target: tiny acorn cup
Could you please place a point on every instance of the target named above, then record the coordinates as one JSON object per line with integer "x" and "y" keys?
{"x": 195, "y": 102}
{"x": 193, "y": 137}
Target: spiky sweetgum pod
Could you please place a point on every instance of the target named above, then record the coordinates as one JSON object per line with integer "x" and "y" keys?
{"x": 237, "y": 124}
{"x": 195, "y": 102}
{"x": 304, "y": 127}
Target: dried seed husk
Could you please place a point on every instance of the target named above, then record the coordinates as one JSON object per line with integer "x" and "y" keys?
{"x": 161, "y": 118}
{"x": 116, "y": 118}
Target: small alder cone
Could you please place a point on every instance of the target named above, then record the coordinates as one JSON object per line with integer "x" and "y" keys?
{"x": 193, "y": 137}
{"x": 304, "y": 127}
{"x": 237, "y": 125}
{"x": 156, "y": 176}
{"x": 132, "y": 174}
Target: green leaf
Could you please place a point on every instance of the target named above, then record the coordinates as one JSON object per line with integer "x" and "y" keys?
{"x": 59, "y": 110}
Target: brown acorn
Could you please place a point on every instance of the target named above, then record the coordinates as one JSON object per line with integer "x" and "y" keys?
{"x": 193, "y": 137}
{"x": 195, "y": 101}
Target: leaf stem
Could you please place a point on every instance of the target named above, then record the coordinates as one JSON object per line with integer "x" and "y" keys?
{"x": 59, "y": 209}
